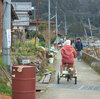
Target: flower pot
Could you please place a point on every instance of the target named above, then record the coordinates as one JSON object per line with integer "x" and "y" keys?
{"x": 51, "y": 60}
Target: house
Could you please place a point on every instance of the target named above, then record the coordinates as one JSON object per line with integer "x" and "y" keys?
{"x": 23, "y": 11}
{"x": 33, "y": 24}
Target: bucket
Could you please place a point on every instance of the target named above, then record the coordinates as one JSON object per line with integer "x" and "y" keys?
{"x": 51, "y": 60}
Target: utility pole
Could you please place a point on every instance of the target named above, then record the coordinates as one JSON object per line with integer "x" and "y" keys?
{"x": 86, "y": 35}
{"x": 34, "y": 13}
{"x": 56, "y": 23}
{"x": 37, "y": 22}
{"x": 90, "y": 28}
{"x": 6, "y": 32}
{"x": 65, "y": 25}
{"x": 65, "y": 22}
{"x": 49, "y": 22}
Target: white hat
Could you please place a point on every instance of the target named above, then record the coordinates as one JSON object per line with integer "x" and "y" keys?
{"x": 67, "y": 42}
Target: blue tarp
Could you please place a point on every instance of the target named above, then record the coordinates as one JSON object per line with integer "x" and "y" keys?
{"x": 84, "y": 44}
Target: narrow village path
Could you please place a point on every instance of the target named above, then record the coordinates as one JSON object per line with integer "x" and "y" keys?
{"x": 88, "y": 86}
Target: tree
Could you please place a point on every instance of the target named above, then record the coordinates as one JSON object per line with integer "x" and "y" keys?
{"x": 93, "y": 7}
{"x": 30, "y": 34}
{"x": 76, "y": 29}
{"x": 43, "y": 28}
{"x": 96, "y": 20}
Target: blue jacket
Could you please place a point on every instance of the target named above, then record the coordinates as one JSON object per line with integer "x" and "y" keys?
{"x": 78, "y": 46}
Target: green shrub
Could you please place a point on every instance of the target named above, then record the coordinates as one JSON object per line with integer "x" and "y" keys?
{"x": 14, "y": 45}
{"x": 2, "y": 80}
{"x": 0, "y": 53}
{"x": 30, "y": 45}
{"x": 24, "y": 53}
{"x": 4, "y": 89}
{"x": 55, "y": 58}
{"x": 2, "y": 64}
{"x": 30, "y": 34}
{"x": 40, "y": 36}
{"x": 43, "y": 43}
{"x": 19, "y": 44}
{"x": 50, "y": 69}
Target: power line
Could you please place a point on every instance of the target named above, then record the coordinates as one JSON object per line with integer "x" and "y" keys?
{"x": 90, "y": 28}
{"x": 56, "y": 21}
{"x": 49, "y": 22}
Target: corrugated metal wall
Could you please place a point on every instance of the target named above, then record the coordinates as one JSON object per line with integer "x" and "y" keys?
{"x": 22, "y": 9}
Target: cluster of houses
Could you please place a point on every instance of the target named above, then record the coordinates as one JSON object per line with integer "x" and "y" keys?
{"x": 21, "y": 14}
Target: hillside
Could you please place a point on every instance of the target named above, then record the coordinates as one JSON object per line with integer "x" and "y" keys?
{"x": 75, "y": 10}
{"x": 69, "y": 7}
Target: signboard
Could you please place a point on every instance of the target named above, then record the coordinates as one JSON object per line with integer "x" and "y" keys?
{"x": 8, "y": 38}
{"x": 26, "y": 61}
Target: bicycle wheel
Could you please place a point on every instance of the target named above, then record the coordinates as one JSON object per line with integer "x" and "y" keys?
{"x": 68, "y": 77}
{"x": 58, "y": 79}
{"x": 75, "y": 80}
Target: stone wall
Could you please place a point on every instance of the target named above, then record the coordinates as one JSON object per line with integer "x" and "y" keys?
{"x": 92, "y": 61}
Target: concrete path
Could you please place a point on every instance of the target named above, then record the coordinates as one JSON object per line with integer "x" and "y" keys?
{"x": 88, "y": 86}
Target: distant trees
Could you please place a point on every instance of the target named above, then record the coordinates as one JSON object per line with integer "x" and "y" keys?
{"x": 96, "y": 20}
{"x": 93, "y": 7}
{"x": 74, "y": 10}
{"x": 76, "y": 29}
{"x": 69, "y": 4}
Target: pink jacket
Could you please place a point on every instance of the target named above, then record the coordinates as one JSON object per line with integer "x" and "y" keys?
{"x": 68, "y": 54}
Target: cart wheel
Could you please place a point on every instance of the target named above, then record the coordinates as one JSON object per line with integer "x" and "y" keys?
{"x": 75, "y": 80}
{"x": 68, "y": 77}
{"x": 58, "y": 79}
